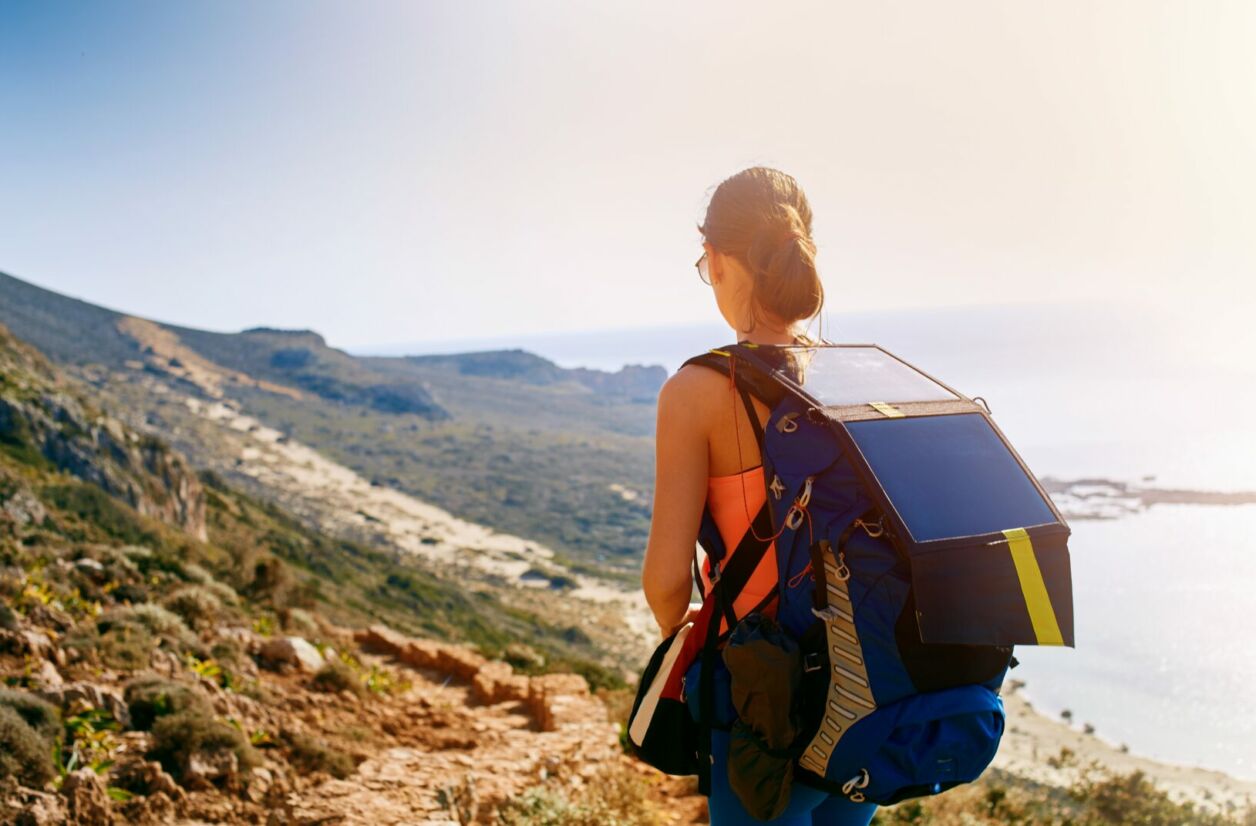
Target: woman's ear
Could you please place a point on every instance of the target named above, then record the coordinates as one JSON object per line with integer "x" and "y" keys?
{"x": 715, "y": 265}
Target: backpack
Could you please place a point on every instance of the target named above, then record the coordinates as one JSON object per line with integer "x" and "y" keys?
{"x": 914, "y": 549}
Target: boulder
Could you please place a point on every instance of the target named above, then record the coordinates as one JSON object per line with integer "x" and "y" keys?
{"x": 24, "y": 509}
{"x": 33, "y": 808}
{"x": 86, "y": 801}
{"x": 46, "y": 675}
{"x": 145, "y": 777}
{"x": 280, "y": 653}
{"x": 89, "y": 694}
{"x": 260, "y": 782}
{"x": 462, "y": 663}
{"x": 380, "y": 639}
{"x": 204, "y": 769}
{"x": 563, "y": 701}
{"x": 421, "y": 654}
{"x": 496, "y": 682}
{"x": 93, "y": 569}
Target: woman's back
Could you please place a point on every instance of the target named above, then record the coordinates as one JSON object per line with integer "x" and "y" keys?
{"x": 759, "y": 261}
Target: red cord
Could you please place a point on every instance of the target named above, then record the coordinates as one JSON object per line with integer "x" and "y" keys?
{"x": 745, "y": 501}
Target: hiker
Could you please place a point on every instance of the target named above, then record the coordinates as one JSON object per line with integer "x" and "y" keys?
{"x": 759, "y": 260}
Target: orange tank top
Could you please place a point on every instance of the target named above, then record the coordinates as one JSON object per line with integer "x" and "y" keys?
{"x": 730, "y": 499}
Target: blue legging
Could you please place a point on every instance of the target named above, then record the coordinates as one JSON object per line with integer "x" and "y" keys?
{"x": 807, "y": 806}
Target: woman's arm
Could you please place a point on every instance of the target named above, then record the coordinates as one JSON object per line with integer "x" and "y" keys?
{"x": 680, "y": 485}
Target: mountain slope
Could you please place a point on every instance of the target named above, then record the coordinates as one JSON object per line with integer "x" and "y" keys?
{"x": 506, "y": 439}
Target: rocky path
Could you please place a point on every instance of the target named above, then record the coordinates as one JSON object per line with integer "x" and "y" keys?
{"x": 469, "y": 736}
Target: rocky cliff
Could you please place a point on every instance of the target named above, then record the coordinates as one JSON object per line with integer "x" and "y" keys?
{"x": 38, "y": 413}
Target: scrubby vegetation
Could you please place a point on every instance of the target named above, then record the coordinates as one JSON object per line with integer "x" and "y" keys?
{"x": 42, "y": 716}
{"x": 178, "y": 737}
{"x": 24, "y": 754}
{"x": 613, "y": 796}
{"x": 1098, "y": 798}
{"x": 309, "y": 754}
{"x": 150, "y": 698}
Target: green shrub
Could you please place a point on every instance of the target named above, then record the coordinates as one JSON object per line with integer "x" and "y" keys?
{"x": 335, "y": 677}
{"x": 97, "y": 509}
{"x": 615, "y": 796}
{"x": 178, "y": 736}
{"x": 39, "y": 714}
{"x": 308, "y": 754}
{"x": 150, "y": 697}
{"x": 124, "y": 644}
{"x": 196, "y": 574}
{"x": 24, "y": 755}
{"x": 1133, "y": 798}
{"x": 227, "y": 651}
{"x": 132, "y": 592}
{"x": 158, "y": 620}
{"x": 300, "y": 622}
{"x": 126, "y": 636}
{"x": 8, "y": 618}
{"x": 196, "y": 604}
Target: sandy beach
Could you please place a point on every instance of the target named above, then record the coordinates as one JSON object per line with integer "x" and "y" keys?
{"x": 1034, "y": 747}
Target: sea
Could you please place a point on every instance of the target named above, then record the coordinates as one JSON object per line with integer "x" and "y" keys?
{"x": 1165, "y": 597}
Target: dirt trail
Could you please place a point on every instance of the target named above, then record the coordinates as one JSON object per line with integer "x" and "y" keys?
{"x": 467, "y": 736}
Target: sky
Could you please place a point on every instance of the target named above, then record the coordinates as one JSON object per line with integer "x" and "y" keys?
{"x": 414, "y": 171}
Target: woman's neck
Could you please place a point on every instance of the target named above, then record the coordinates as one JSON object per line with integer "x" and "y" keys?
{"x": 765, "y": 335}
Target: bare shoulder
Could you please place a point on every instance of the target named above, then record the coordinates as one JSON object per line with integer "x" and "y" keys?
{"x": 692, "y": 389}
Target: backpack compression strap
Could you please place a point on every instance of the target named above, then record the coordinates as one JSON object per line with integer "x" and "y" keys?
{"x": 743, "y": 561}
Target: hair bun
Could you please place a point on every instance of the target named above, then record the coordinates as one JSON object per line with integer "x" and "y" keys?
{"x": 761, "y": 216}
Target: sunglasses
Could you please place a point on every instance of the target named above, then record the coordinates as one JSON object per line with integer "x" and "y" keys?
{"x": 701, "y": 264}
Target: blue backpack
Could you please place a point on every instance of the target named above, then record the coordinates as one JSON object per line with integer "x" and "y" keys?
{"x": 914, "y": 549}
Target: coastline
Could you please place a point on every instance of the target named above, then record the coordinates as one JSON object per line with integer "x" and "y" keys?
{"x": 1050, "y": 751}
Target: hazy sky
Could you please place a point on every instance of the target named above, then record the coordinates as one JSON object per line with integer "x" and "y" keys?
{"x": 405, "y": 171}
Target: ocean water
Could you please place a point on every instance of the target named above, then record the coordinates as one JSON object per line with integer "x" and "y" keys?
{"x": 1165, "y": 659}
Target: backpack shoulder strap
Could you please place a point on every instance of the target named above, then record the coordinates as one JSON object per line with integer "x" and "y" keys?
{"x": 748, "y": 378}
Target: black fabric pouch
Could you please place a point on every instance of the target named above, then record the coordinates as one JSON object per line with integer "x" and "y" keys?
{"x": 765, "y": 665}
{"x": 660, "y": 728}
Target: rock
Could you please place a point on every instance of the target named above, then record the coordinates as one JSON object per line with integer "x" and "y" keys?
{"x": 563, "y": 700}
{"x": 86, "y": 801}
{"x": 35, "y": 643}
{"x": 202, "y": 770}
{"x": 421, "y": 654}
{"x": 24, "y": 509}
{"x": 260, "y": 782}
{"x": 46, "y": 675}
{"x": 91, "y": 695}
{"x": 380, "y": 639}
{"x": 145, "y": 777}
{"x": 91, "y": 568}
{"x": 462, "y": 663}
{"x": 280, "y": 653}
{"x": 36, "y": 809}
{"x": 154, "y": 809}
{"x": 496, "y": 682}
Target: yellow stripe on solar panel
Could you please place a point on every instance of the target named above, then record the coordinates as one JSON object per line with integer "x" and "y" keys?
{"x": 887, "y": 410}
{"x": 1041, "y": 614}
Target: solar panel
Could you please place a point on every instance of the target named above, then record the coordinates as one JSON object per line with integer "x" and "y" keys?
{"x": 854, "y": 374}
{"x": 949, "y": 476}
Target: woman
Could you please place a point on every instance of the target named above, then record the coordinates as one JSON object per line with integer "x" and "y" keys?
{"x": 759, "y": 259}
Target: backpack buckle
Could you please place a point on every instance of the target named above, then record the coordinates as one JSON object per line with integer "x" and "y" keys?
{"x": 811, "y": 662}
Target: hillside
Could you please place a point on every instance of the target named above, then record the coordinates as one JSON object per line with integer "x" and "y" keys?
{"x": 172, "y": 647}
{"x": 505, "y": 439}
